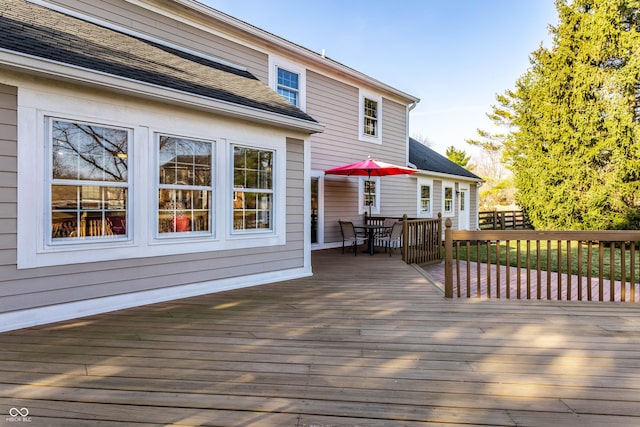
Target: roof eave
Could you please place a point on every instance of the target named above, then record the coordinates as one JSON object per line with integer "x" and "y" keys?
{"x": 62, "y": 71}
{"x": 448, "y": 176}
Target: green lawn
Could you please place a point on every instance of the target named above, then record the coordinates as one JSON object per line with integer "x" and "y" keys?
{"x": 550, "y": 256}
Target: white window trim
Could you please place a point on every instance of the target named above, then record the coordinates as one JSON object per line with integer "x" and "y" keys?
{"x": 361, "y": 135}
{"x": 424, "y": 182}
{"x": 276, "y": 62}
{"x": 142, "y": 240}
{"x": 361, "y": 207}
{"x": 452, "y": 185}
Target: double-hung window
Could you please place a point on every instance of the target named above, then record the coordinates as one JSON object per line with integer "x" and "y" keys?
{"x": 370, "y": 117}
{"x": 369, "y": 195}
{"x": 425, "y": 201}
{"x": 288, "y": 79}
{"x": 288, "y": 86}
{"x": 370, "y": 113}
{"x": 447, "y": 196}
{"x": 89, "y": 181}
{"x": 253, "y": 189}
{"x": 185, "y": 185}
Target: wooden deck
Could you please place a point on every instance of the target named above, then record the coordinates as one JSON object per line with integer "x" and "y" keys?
{"x": 367, "y": 341}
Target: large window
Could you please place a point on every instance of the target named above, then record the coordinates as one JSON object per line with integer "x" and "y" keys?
{"x": 253, "y": 185}
{"x": 370, "y": 117}
{"x": 289, "y": 86}
{"x": 89, "y": 181}
{"x": 136, "y": 184}
{"x": 185, "y": 185}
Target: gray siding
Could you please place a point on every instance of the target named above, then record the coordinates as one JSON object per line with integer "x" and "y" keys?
{"x": 473, "y": 198}
{"x": 130, "y": 16}
{"x": 295, "y": 197}
{"x": 336, "y": 105}
{"x": 8, "y": 174}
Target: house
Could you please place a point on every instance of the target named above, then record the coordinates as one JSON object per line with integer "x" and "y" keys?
{"x": 162, "y": 149}
{"x": 140, "y": 163}
{"x": 444, "y": 187}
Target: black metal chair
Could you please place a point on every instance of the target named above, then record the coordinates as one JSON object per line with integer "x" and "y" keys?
{"x": 350, "y": 236}
{"x": 394, "y": 239}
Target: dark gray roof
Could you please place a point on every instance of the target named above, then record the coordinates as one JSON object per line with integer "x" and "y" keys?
{"x": 34, "y": 30}
{"x": 428, "y": 160}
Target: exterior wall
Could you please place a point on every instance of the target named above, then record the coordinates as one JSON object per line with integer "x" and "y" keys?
{"x": 30, "y": 296}
{"x": 8, "y": 174}
{"x": 473, "y": 205}
{"x": 336, "y": 105}
{"x": 172, "y": 29}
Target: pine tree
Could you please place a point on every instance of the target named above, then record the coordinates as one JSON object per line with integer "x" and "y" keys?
{"x": 458, "y": 157}
{"x": 574, "y": 143}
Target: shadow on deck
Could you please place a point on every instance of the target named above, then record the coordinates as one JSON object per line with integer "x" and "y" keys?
{"x": 366, "y": 341}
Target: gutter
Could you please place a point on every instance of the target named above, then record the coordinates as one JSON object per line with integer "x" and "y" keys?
{"x": 410, "y": 107}
{"x": 449, "y": 176}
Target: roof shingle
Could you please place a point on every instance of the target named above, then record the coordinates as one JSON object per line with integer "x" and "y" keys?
{"x": 37, "y": 31}
{"x": 428, "y": 160}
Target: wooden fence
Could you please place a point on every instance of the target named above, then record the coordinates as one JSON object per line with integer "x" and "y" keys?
{"x": 503, "y": 220}
{"x": 552, "y": 265}
{"x": 421, "y": 238}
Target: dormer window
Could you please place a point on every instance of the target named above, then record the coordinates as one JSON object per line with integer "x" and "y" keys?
{"x": 289, "y": 80}
{"x": 289, "y": 86}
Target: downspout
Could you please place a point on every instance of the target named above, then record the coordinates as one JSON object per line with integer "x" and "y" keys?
{"x": 406, "y": 151}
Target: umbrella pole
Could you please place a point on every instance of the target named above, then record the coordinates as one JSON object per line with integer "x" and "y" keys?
{"x": 369, "y": 191}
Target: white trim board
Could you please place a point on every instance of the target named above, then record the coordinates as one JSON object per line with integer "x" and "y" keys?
{"x": 61, "y": 312}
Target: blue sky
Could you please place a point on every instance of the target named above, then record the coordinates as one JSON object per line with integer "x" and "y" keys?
{"x": 455, "y": 55}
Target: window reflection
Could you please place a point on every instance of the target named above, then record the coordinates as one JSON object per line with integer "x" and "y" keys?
{"x": 185, "y": 185}
{"x": 89, "y": 189}
{"x": 253, "y": 188}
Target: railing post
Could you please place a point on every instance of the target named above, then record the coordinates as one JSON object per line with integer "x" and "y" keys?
{"x": 439, "y": 236}
{"x": 448, "y": 260}
{"x": 405, "y": 237}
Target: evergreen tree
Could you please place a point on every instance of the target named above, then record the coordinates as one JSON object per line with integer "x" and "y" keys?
{"x": 574, "y": 139}
{"x": 457, "y": 156}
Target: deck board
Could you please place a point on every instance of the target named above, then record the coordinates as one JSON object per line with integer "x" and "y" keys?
{"x": 366, "y": 341}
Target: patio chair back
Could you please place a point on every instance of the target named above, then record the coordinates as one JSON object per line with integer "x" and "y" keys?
{"x": 394, "y": 239}
{"x": 349, "y": 236}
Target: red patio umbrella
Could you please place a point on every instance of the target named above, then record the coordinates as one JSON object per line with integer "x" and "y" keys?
{"x": 369, "y": 168}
